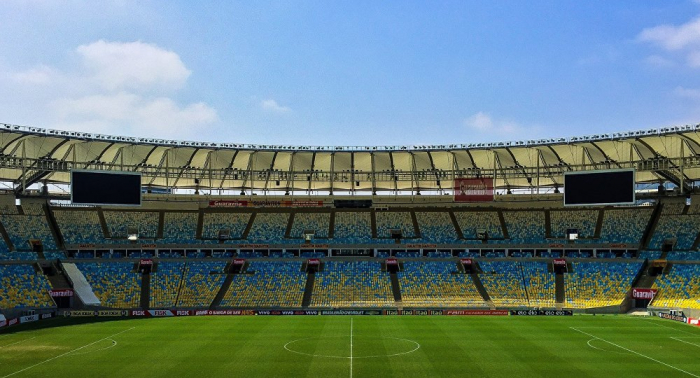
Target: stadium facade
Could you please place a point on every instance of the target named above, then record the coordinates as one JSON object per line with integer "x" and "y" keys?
{"x": 235, "y": 227}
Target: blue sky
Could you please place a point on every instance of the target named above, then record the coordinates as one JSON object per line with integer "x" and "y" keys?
{"x": 350, "y": 73}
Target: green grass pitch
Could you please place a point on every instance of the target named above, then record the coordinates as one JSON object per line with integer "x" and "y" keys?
{"x": 358, "y": 346}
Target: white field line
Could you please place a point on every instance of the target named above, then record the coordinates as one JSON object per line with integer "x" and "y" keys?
{"x": 637, "y": 353}
{"x": 687, "y": 342}
{"x": 17, "y": 342}
{"x": 69, "y": 352}
{"x": 658, "y": 323}
{"x": 350, "y": 347}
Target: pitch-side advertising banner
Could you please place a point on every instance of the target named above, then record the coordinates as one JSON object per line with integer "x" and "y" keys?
{"x": 473, "y": 190}
{"x": 643, "y": 293}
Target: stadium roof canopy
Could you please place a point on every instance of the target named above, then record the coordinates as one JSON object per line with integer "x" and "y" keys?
{"x": 29, "y": 155}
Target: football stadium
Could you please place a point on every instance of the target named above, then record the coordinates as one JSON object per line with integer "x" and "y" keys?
{"x": 125, "y": 256}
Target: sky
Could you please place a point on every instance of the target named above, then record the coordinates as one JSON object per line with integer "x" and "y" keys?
{"x": 350, "y": 73}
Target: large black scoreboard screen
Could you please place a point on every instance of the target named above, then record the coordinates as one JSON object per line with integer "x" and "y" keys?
{"x": 609, "y": 187}
{"x": 105, "y": 188}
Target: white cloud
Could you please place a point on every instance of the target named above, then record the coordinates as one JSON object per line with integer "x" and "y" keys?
{"x": 133, "y": 65}
{"x": 690, "y": 93}
{"x": 683, "y": 39}
{"x": 673, "y": 37}
{"x": 39, "y": 75}
{"x": 123, "y": 88}
{"x": 134, "y": 115}
{"x": 659, "y": 61}
{"x": 483, "y": 123}
{"x": 273, "y": 106}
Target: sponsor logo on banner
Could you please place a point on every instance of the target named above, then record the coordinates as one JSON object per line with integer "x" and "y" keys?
{"x": 542, "y": 312}
{"x": 466, "y": 261}
{"x": 476, "y": 312}
{"x": 137, "y": 313}
{"x": 111, "y": 313}
{"x": 238, "y": 261}
{"x": 421, "y": 245}
{"x": 146, "y": 262}
{"x": 313, "y": 262}
{"x": 559, "y": 262}
{"x": 253, "y": 246}
{"x": 234, "y": 203}
{"x": 61, "y": 293}
{"x": 344, "y": 312}
{"x": 183, "y": 313}
{"x": 160, "y": 313}
{"x": 47, "y": 316}
{"x": 86, "y": 246}
{"x": 12, "y": 322}
{"x": 81, "y": 313}
{"x": 27, "y": 319}
{"x": 473, "y": 190}
{"x": 677, "y": 318}
{"x": 643, "y": 293}
{"x": 693, "y": 321}
{"x": 311, "y": 246}
{"x": 392, "y": 261}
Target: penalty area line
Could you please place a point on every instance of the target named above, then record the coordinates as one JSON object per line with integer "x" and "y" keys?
{"x": 69, "y": 352}
{"x": 687, "y": 342}
{"x": 637, "y": 353}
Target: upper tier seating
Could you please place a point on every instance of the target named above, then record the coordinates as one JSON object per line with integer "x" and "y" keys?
{"x": 684, "y": 228}
{"x": 180, "y": 228}
{"x": 317, "y": 222}
{"x": 582, "y": 220}
{"x": 471, "y": 221}
{"x": 269, "y": 228}
{"x": 393, "y": 220}
{"x": 624, "y": 225}
{"x": 526, "y": 227}
{"x": 353, "y": 227}
{"x": 79, "y": 227}
{"x": 236, "y": 223}
{"x": 119, "y": 222}
{"x": 436, "y": 227}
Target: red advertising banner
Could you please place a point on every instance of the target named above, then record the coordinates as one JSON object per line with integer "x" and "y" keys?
{"x": 238, "y": 261}
{"x": 146, "y": 262}
{"x": 643, "y": 293}
{"x": 559, "y": 262}
{"x": 466, "y": 261}
{"x": 477, "y": 312}
{"x": 421, "y": 245}
{"x": 237, "y": 203}
{"x": 61, "y": 293}
{"x": 473, "y": 190}
{"x": 392, "y": 261}
{"x": 313, "y": 261}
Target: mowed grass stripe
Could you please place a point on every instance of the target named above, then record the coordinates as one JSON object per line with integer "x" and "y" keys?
{"x": 252, "y": 346}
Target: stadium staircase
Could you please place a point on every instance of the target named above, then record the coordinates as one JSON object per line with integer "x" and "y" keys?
{"x": 416, "y": 227}
{"x": 145, "y": 291}
{"x": 6, "y": 238}
{"x": 502, "y": 220}
{"x": 53, "y": 227}
{"x": 331, "y": 226}
{"x": 396, "y": 288}
{"x": 559, "y": 291}
{"x": 651, "y": 226}
{"x": 103, "y": 224}
{"x": 222, "y": 291}
{"x": 642, "y": 280}
{"x": 455, "y": 223}
{"x": 482, "y": 290}
{"x": 248, "y": 227}
{"x": 308, "y": 289}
